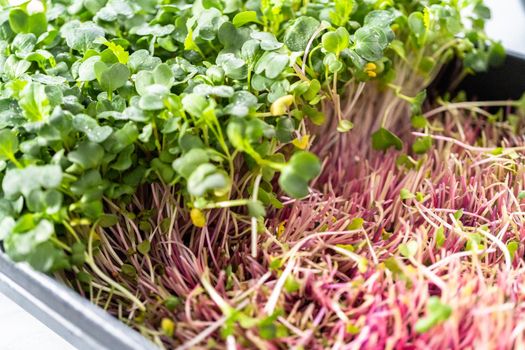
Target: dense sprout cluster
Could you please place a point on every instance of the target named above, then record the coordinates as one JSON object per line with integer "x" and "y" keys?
{"x": 380, "y": 255}
{"x": 100, "y": 97}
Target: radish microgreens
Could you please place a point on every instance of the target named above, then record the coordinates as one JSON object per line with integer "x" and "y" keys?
{"x": 101, "y": 97}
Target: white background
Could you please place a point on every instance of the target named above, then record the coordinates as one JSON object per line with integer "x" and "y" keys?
{"x": 508, "y": 23}
{"x": 20, "y": 331}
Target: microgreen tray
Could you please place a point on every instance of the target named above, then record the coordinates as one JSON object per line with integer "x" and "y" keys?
{"x": 87, "y": 326}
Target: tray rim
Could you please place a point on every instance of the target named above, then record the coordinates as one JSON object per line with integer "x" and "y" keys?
{"x": 82, "y": 324}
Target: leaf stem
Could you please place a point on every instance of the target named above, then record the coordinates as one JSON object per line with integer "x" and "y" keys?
{"x": 91, "y": 262}
{"x": 468, "y": 105}
{"x": 228, "y": 204}
{"x": 255, "y": 197}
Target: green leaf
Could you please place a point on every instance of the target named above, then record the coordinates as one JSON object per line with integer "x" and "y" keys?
{"x": 208, "y": 23}
{"x": 49, "y": 202}
{"x": 355, "y": 224}
{"x": 129, "y": 270}
{"x": 242, "y": 102}
{"x": 291, "y": 285}
{"x": 345, "y": 126}
{"x": 440, "y": 237}
{"x": 190, "y": 161}
{"x": 233, "y": 66}
{"x": 405, "y": 194}
{"x": 482, "y": 11}
{"x": 416, "y": 24}
{"x": 112, "y": 77}
{"x": 35, "y": 102}
{"x": 144, "y": 247}
{"x": 477, "y": 60}
{"x": 22, "y": 22}
{"x": 122, "y": 138}
{"x": 194, "y": 104}
{"x": 6, "y": 227}
{"x": 163, "y": 75}
{"x": 370, "y": 42}
{"x": 333, "y": 63}
{"x": 206, "y": 178}
{"x": 219, "y": 91}
{"x": 270, "y": 329}
{"x": 143, "y": 80}
{"x": 156, "y": 30}
{"x": 336, "y": 41}
{"x": 152, "y": 101}
{"x": 384, "y": 139}
{"x": 380, "y": 18}
{"x": 86, "y": 71}
{"x": 267, "y": 41}
{"x": 317, "y": 117}
{"x": 398, "y": 47}
{"x": 408, "y": 249}
{"x": 18, "y": 20}
{"x": 108, "y": 220}
{"x": 419, "y": 121}
{"x": 245, "y": 17}
{"x": 302, "y": 167}
{"x": 272, "y": 64}
{"x": 437, "y": 313}
{"x": 33, "y": 246}
{"x": 8, "y": 145}
{"x": 88, "y": 155}
{"x": 458, "y": 214}
{"x": 256, "y": 209}
{"x": 497, "y": 54}
{"x": 23, "y": 181}
{"x": 14, "y": 69}
{"x": 90, "y": 127}
{"x": 284, "y": 129}
{"x": 233, "y": 38}
{"x": 513, "y": 247}
{"x": 172, "y": 302}
{"x": 81, "y": 36}
{"x": 24, "y": 44}
{"x": 417, "y": 102}
{"x": 298, "y": 35}
{"x": 342, "y": 11}
{"x": 120, "y": 53}
{"x": 113, "y": 10}
{"x": 93, "y": 6}
{"x": 142, "y": 60}
{"x": 422, "y": 144}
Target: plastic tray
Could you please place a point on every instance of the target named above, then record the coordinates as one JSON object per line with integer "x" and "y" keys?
{"x": 501, "y": 83}
{"x": 82, "y": 324}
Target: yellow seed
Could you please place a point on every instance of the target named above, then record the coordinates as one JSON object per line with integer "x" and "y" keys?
{"x": 280, "y": 229}
{"x": 198, "y": 218}
{"x": 411, "y": 269}
{"x": 302, "y": 142}
{"x": 371, "y": 74}
{"x": 280, "y": 106}
{"x": 370, "y": 66}
{"x": 362, "y": 266}
{"x": 426, "y": 18}
{"x": 167, "y": 326}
